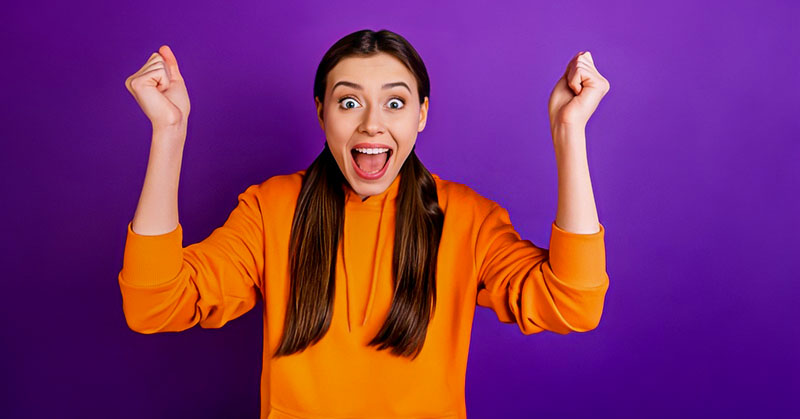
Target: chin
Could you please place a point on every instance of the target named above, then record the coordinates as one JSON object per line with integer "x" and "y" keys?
{"x": 370, "y": 187}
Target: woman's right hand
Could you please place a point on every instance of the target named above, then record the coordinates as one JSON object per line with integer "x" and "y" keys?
{"x": 160, "y": 91}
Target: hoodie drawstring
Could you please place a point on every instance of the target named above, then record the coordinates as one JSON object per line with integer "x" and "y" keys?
{"x": 377, "y": 258}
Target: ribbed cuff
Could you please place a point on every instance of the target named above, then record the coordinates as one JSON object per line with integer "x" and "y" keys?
{"x": 578, "y": 259}
{"x": 152, "y": 260}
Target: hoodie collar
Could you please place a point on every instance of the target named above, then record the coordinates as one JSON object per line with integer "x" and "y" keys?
{"x": 377, "y": 201}
{"x": 385, "y": 203}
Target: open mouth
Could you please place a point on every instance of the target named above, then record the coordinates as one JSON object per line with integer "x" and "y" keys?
{"x": 371, "y": 160}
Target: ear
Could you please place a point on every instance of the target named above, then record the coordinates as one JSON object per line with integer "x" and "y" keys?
{"x": 423, "y": 115}
{"x": 318, "y": 105}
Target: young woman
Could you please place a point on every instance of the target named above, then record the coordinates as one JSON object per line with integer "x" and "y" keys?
{"x": 369, "y": 265}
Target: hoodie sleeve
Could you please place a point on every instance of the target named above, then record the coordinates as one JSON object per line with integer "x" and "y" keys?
{"x": 168, "y": 288}
{"x": 561, "y": 289}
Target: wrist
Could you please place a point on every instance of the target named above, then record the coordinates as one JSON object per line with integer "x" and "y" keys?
{"x": 571, "y": 136}
{"x": 564, "y": 129}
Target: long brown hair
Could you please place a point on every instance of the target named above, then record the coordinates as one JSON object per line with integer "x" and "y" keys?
{"x": 318, "y": 225}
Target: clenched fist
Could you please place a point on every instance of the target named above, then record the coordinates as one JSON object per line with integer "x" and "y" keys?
{"x": 577, "y": 93}
{"x": 160, "y": 91}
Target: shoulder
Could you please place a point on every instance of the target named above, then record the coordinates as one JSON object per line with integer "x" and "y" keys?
{"x": 460, "y": 197}
{"x": 278, "y": 191}
{"x": 283, "y": 184}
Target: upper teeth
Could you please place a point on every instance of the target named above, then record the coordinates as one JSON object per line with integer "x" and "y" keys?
{"x": 372, "y": 150}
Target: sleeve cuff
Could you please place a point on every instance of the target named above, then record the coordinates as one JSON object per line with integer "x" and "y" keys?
{"x": 578, "y": 259}
{"x": 152, "y": 260}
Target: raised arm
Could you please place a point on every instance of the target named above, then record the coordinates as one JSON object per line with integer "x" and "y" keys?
{"x": 562, "y": 288}
{"x": 166, "y": 287}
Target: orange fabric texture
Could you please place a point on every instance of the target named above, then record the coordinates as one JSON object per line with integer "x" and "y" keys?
{"x": 482, "y": 260}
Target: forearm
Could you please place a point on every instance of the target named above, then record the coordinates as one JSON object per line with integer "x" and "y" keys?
{"x": 576, "y": 211}
{"x": 157, "y": 210}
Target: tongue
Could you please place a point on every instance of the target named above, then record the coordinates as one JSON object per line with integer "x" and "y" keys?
{"x": 371, "y": 162}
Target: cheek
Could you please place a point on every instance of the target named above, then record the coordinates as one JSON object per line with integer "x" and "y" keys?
{"x": 338, "y": 129}
{"x": 405, "y": 130}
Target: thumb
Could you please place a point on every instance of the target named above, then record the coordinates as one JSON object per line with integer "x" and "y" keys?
{"x": 171, "y": 62}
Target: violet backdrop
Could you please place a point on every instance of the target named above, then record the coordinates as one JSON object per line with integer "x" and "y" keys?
{"x": 693, "y": 157}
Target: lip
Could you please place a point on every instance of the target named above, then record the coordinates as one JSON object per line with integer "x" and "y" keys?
{"x": 372, "y": 145}
{"x": 378, "y": 174}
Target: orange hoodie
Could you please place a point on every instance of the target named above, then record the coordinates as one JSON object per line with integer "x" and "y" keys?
{"x": 482, "y": 259}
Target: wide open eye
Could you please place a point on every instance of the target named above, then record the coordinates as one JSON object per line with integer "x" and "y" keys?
{"x": 399, "y": 103}
{"x": 348, "y": 100}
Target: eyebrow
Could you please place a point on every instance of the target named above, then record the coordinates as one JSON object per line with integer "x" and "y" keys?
{"x": 358, "y": 86}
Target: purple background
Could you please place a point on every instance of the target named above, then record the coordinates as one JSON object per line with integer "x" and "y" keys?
{"x": 693, "y": 157}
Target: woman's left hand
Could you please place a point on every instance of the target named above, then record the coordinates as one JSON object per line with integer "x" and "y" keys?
{"x": 577, "y": 93}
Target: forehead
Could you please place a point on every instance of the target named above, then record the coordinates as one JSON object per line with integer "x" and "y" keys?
{"x": 371, "y": 72}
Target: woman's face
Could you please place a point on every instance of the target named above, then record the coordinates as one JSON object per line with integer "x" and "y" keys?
{"x": 371, "y": 104}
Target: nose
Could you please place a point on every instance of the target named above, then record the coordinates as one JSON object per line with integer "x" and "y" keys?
{"x": 372, "y": 124}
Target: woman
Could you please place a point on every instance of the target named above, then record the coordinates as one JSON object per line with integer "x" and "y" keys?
{"x": 369, "y": 265}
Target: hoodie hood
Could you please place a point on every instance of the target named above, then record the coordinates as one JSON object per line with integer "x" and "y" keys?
{"x": 380, "y": 208}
